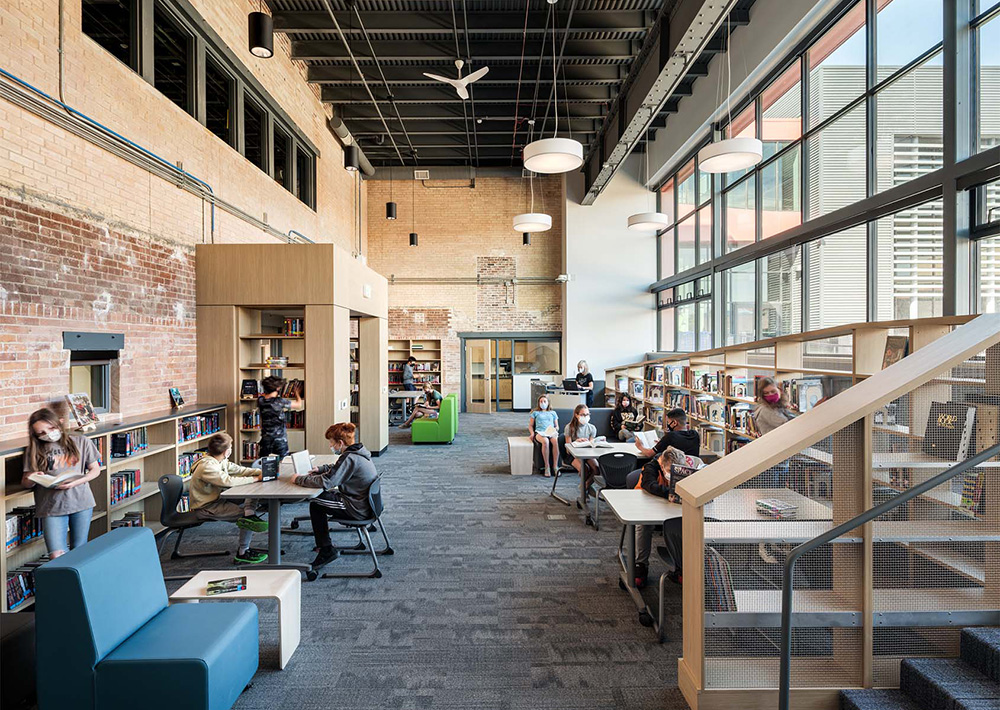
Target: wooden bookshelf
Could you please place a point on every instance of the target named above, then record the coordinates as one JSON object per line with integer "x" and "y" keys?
{"x": 355, "y": 375}
{"x": 164, "y": 446}
{"x": 429, "y": 366}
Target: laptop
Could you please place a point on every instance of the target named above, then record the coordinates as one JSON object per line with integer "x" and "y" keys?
{"x": 302, "y": 462}
{"x": 571, "y": 386}
{"x": 269, "y": 468}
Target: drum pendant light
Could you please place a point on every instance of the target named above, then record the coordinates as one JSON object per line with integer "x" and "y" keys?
{"x": 390, "y": 206}
{"x": 647, "y": 221}
{"x": 532, "y": 221}
{"x": 413, "y": 239}
{"x": 261, "y": 34}
{"x": 526, "y": 239}
{"x": 413, "y": 215}
{"x": 555, "y": 154}
{"x": 351, "y": 160}
{"x": 736, "y": 152}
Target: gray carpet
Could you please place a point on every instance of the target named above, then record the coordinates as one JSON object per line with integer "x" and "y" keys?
{"x": 487, "y": 603}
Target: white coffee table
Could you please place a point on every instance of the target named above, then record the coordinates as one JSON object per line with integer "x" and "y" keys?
{"x": 281, "y": 584}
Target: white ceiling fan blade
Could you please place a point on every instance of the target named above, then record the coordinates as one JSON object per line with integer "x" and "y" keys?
{"x": 476, "y": 75}
{"x": 463, "y": 93}
{"x": 445, "y": 79}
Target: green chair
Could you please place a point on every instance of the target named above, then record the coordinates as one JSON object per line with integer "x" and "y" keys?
{"x": 437, "y": 431}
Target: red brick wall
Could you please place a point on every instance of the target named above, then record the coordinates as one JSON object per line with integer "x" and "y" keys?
{"x": 62, "y": 273}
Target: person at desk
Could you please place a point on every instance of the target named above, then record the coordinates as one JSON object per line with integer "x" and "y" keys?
{"x": 543, "y": 429}
{"x": 210, "y": 475}
{"x": 345, "y": 487}
{"x": 431, "y": 407}
{"x": 585, "y": 381}
{"x": 624, "y": 416}
{"x": 579, "y": 429}
{"x": 677, "y": 435}
{"x": 408, "y": 374}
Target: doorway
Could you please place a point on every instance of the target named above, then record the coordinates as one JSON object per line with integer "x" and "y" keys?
{"x": 498, "y": 369}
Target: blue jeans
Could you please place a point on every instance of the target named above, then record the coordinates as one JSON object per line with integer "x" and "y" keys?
{"x": 409, "y": 387}
{"x": 55, "y": 528}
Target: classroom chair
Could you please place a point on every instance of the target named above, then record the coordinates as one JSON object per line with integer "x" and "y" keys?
{"x": 107, "y": 639}
{"x": 171, "y": 488}
{"x": 365, "y": 540}
{"x": 437, "y": 431}
{"x": 615, "y": 468}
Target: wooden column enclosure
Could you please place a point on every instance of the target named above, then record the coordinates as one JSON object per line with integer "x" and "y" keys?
{"x": 244, "y": 294}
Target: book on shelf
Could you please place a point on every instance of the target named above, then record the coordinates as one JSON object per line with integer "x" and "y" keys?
{"x": 707, "y": 381}
{"x": 654, "y": 417}
{"x": 250, "y": 420}
{"x": 250, "y": 389}
{"x": 777, "y": 509}
{"x": 276, "y": 362}
{"x": 654, "y": 373}
{"x": 81, "y": 410}
{"x": 294, "y": 327}
{"x": 186, "y": 462}
{"x": 295, "y": 419}
{"x": 736, "y": 443}
{"x": 949, "y": 432}
{"x": 46, "y": 480}
{"x": 719, "y": 595}
{"x": 610, "y": 398}
{"x": 124, "y": 484}
{"x": 896, "y": 348}
{"x": 621, "y": 384}
{"x": 22, "y": 526}
{"x": 250, "y": 449}
{"x": 740, "y": 418}
{"x": 637, "y": 389}
{"x": 199, "y": 425}
{"x": 128, "y": 443}
{"x": 293, "y": 388}
{"x": 20, "y": 586}
{"x": 654, "y": 394}
{"x": 176, "y": 400}
{"x": 131, "y": 519}
{"x": 714, "y": 440}
{"x": 974, "y": 491}
{"x": 737, "y": 386}
{"x": 226, "y": 586}
{"x": 676, "y": 375}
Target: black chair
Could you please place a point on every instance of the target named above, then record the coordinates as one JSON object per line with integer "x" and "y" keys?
{"x": 615, "y": 468}
{"x": 171, "y": 489}
{"x": 365, "y": 540}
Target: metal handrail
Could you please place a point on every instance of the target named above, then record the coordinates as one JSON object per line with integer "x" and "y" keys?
{"x": 784, "y": 678}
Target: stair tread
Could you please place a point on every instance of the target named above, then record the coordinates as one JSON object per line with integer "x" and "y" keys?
{"x": 946, "y": 683}
{"x": 981, "y": 649}
{"x": 876, "y": 700}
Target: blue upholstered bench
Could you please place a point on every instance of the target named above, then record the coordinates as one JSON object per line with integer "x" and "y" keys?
{"x": 106, "y": 638}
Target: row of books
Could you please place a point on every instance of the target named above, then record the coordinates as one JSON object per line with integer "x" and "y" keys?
{"x": 199, "y": 425}
{"x": 250, "y": 449}
{"x": 186, "y": 462}
{"x": 654, "y": 394}
{"x": 425, "y": 366}
{"x": 417, "y": 379}
{"x": 125, "y": 484}
{"x": 21, "y": 584}
{"x": 132, "y": 519}
{"x": 295, "y": 326}
{"x": 21, "y": 526}
{"x": 295, "y": 420}
{"x": 102, "y": 454}
{"x": 741, "y": 418}
{"x": 250, "y": 420}
{"x": 719, "y": 595}
{"x": 250, "y": 389}
{"x": 129, "y": 443}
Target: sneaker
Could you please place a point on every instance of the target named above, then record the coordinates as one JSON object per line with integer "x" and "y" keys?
{"x": 326, "y": 556}
{"x": 254, "y": 523}
{"x": 641, "y": 572}
{"x": 250, "y": 557}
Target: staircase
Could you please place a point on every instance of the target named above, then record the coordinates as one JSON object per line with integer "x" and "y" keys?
{"x": 969, "y": 682}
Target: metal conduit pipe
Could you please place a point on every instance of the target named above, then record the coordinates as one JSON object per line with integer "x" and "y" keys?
{"x": 24, "y": 95}
{"x": 339, "y": 129}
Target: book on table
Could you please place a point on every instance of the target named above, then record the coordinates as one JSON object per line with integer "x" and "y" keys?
{"x": 600, "y": 442}
{"x": 46, "y": 480}
{"x": 226, "y": 586}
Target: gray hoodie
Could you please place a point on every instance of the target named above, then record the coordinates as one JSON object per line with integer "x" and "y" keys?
{"x": 353, "y": 475}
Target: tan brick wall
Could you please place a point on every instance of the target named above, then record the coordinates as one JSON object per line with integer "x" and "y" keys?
{"x": 466, "y": 233}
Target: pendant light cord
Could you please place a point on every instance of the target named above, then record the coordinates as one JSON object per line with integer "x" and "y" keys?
{"x": 555, "y": 86}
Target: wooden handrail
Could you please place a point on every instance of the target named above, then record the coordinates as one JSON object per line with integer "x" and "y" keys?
{"x": 850, "y": 405}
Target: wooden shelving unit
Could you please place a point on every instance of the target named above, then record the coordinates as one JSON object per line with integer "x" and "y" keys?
{"x": 355, "y": 375}
{"x": 165, "y": 444}
{"x": 429, "y": 366}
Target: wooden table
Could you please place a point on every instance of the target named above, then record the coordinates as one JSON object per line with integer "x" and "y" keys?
{"x": 637, "y": 507}
{"x": 276, "y": 492}
{"x": 405, "y": 396}
{"x": 283, "y": 585}
{"x": 586, "y": 452}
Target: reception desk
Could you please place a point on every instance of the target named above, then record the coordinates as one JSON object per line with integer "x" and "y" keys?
{"x": 564, "y": 399}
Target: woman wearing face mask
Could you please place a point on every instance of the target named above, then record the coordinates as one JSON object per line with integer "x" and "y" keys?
{"x": 622, "y": 417}
{"x": 580, "y": 429}
{"x": 352, "y": 475}
{"x": 771, "y": 410}
{"x": 585, "y": 381}
{"x": 543, "y": 429}
{"x": 66, "y": 509}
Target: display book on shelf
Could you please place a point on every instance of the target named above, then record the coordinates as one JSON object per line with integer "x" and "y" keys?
{"x": 429, "y": 367}
{"x": 272, "y": 342}
{"x": 134, "y": 453}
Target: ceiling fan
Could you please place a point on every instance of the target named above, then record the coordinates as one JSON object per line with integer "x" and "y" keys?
{"x": 460, "y": 83}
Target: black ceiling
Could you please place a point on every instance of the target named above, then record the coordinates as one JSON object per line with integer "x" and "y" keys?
{"x": 401, "y": 39}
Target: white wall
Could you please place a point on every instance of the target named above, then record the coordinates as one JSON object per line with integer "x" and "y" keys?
{"x": 608, "y": 314}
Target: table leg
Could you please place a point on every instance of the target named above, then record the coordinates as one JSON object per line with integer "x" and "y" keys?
{"x": 274, "y": 544}
{"x": 627, "y": 581}
{"x": 289, "y": 624}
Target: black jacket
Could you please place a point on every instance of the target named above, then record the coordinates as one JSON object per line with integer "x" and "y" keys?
{"x": 352, "y": 475}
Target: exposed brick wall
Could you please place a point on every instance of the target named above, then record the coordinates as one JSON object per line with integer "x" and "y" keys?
{"x": 466, "y": 233}
{"x": 60, "y": 273}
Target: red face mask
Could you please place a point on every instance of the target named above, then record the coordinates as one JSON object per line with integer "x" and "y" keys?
{"x": 773, "y": 397}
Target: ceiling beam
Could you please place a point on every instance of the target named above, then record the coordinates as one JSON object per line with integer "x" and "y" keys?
{"x": 514, "y": 21}
{"x": 436, "y": 92}
{"x": 499, "y": 75}
{"x": 482, "y": 50}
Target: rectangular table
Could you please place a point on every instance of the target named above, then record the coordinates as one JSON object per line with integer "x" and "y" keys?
{"x": 586, "y": 452}
{"x": 405, "y": 397}
{"x": 637, "y": 507}
{"x": 276, "y": 492}
{"x": 283, "y": 585}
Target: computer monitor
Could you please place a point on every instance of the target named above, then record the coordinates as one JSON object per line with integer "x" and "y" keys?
{"x": 302, "y": 462}
{"x": 570, "y": 385}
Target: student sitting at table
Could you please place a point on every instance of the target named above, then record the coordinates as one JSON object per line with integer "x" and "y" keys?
{"x": 431, "y": 407}
{"x": 677, "y": 435}
{"x": 579, "y": 429}
{"x": 543, "y": 429}
{"x": 345, "y": 487}
{"x": 215, "y": 472}
{"x": 656, "y": 480}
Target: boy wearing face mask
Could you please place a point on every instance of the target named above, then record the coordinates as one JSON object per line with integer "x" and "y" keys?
{"x": 215, "y": 472}
{"x": 677, "y": 434}
{"x": 66, "y": 509}
{"x": 345, "y": 487}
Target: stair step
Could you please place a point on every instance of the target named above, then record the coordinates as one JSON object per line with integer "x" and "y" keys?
{"x": 946, "y": 684}
{"x": 876, "y": 700}
{"x": 981, "y": 650}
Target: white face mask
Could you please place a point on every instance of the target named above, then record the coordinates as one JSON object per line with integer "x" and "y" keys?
{"x": 543, "y": 405}
{"x": 228, "y": 454}
{"x": 52, "y": 436}
{"x": 335, "y": 450}
{"x": 585, "y": 419}
{"x": 580, "y": 370}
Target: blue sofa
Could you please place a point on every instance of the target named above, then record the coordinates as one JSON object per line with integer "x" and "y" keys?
{"x": 106, "y": 638}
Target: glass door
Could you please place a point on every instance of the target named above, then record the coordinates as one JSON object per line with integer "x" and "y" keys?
{"x": 478, "y": 384}
{"x": 503, "y": 365}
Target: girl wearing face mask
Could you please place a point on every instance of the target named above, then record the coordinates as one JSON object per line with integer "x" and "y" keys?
{"x": 66, "y": 509}
{"x": 543, "y": 429}
{"x": 622, "y": 417}
{"x": 580, "y": 429}
{"x": 345, "y": 487}
{"x": 771, "y": 410}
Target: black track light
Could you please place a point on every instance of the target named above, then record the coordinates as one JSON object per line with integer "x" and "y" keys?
{"x": 261, "y": 33}
{"x": 351, "y": 160}
{"x": 413, "y": 239}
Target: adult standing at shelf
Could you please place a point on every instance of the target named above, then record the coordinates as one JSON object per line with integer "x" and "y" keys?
{"x": 65, "y": 509}
{"x": 272, "y": 407}
{"x": 408, "y": 374}
{"x": 770, "y": 412}
{"x": 585, "y": 381}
